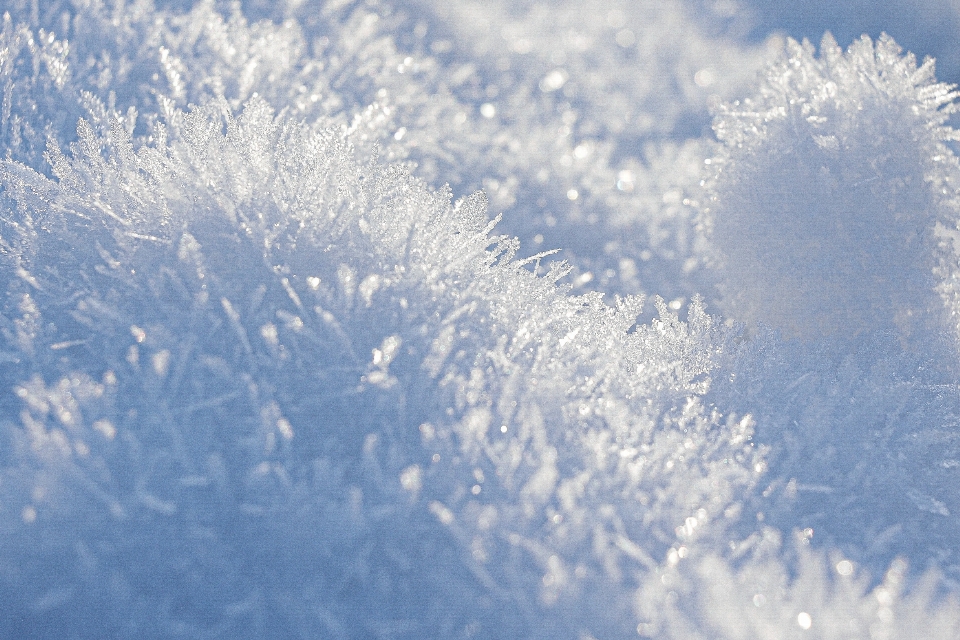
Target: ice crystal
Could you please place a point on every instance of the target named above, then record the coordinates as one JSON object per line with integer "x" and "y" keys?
{"x": 833, "y": 207}
{"x": 259, "y": 315}
{"x": 267, "y": 369}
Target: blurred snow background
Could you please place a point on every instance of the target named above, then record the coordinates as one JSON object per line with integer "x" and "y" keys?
{"x": 478, "y": 320}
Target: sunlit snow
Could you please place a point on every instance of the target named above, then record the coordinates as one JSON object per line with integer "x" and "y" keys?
{"x": 472, "y": 319}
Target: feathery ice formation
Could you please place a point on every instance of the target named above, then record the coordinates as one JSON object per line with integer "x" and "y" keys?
{"x": 262, "y": 376}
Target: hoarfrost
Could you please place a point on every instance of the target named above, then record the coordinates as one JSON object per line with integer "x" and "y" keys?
{"x": 833, "y": 202}
{"x": 260, "y": 375}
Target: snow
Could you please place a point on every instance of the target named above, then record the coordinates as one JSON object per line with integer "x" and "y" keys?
{"x": 820, "y": 220}
{"x": 486, "y": 320}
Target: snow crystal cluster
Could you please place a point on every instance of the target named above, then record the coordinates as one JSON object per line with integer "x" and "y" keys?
{"x": 387, "y": 319}
{"x": 824, "y": 221}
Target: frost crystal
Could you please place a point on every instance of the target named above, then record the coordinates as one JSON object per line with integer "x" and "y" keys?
{"x": 209, "y": 364}
{"x": 267, "y": 369}
{"x": 833, "y": 207}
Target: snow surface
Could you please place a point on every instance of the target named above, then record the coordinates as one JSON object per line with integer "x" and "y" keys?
{"x": 478, "y": 320}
